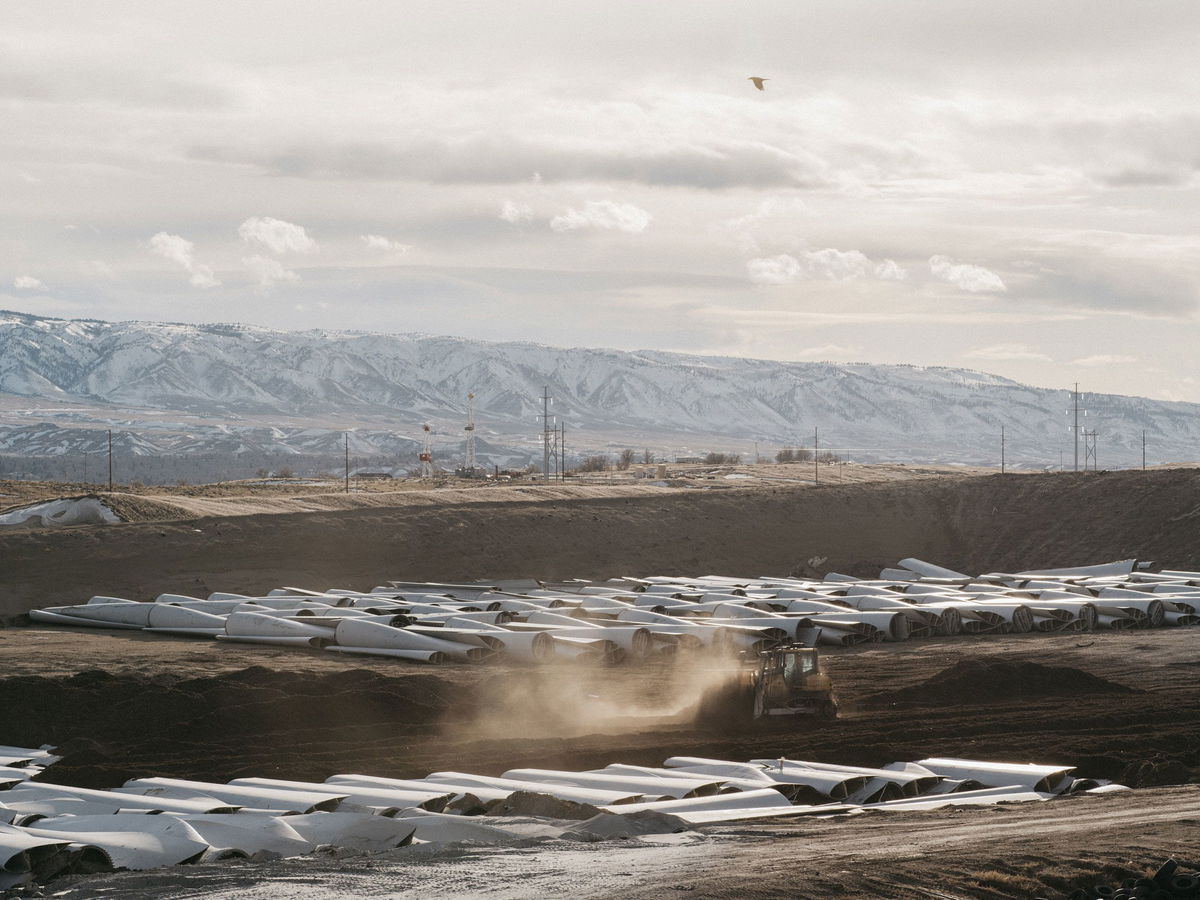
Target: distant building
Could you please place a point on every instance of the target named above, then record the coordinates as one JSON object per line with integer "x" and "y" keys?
{"x": 371, "y": 472}
{"x": 688, "y": 459}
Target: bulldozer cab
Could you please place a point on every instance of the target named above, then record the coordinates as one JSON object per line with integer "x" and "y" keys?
{"x": 789, "y": 682}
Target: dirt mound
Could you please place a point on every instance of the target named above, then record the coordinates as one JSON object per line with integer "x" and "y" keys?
{"x": 136, "y": 508}
{"x": 530, "y": 803}
{"x": 972, "y": 681}
{"x": 114, "y": 727}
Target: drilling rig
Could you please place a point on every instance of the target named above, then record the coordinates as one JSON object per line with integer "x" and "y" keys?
{"x": 469, "y": 468}
{"x": 426, "y": 456}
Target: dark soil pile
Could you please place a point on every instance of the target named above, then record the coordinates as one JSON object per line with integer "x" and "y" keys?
{"x": 250, "y": 722}
{"x": 975, "y": 681}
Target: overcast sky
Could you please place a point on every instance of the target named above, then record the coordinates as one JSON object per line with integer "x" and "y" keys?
{"x": 1003, "y": 186}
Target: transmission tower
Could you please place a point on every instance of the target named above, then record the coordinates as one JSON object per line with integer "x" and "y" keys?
{"x": 548, "y": 435}
{"x": 426, "y": 456}
{"x": 469, "y": 461}
{"x": 1076, "y": 427}
{"x": 1089, "y": 450}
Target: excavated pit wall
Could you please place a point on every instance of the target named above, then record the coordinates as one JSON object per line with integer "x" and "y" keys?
{"x": 971, "y": 524}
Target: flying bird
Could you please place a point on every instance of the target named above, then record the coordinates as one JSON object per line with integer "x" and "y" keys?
{"x": 758, "y": 82}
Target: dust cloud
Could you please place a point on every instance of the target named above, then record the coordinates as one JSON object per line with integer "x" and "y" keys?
{"x": 568, "y": 699}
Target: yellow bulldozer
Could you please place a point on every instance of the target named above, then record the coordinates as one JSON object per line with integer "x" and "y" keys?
{"x": 774, "y": 686}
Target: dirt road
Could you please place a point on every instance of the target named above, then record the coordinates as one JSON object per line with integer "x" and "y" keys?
{"x": 193, "y": 709}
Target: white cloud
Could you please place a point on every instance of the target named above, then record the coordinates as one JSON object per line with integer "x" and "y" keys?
{"x": 1103, "y": 359}
{"x": 269, "y": 272}
{"x": 276, "y": 235}
{"x": 781, "y": 269}
{"x": 511, "y": 211}
{"x": 829, "y": 263}
{"x": 890, "y": 270}
{"x": 836, "y": 265}
{"x": 975, "y": 279}
{"x": 180, "y": 250}
{"x": 387, "y": 245}
{"x": 27, "y": 283}
{"x": 604, "y": 214}
{"x": 1007, "y": 353}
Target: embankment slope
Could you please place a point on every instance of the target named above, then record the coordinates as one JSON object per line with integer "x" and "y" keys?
{"x": 974, "y": 524}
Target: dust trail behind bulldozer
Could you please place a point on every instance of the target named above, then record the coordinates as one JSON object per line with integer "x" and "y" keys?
{"x": 571, "y": 699}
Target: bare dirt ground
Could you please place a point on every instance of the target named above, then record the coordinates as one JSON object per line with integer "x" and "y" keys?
{"x": 975, "y": 853}
{"x": 283, "y": 495}
{"x": 193, "y": 709}
{"x": 974, "y": 524}
{"x": 125, "y": 703}
{"x": 206, "y": 710}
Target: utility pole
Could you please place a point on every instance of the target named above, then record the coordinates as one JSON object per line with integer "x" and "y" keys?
{"x": 816, "y": 460}
{"x": 1001, "y": 449}
{"x": 562, "y": 451}
{"x": 110, "y": 460}
{"x": 346, "y": 437}
{"x": 1143, "y": 449}
{"x": 545, "y": 434}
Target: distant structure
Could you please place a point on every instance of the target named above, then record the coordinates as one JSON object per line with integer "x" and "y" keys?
{"x": 1078, "y": 429}
{"x": 470, "y": 430}
{"x": 548, "y": 432}
{"x": 758, "y": 82}
{"x": 1089, "y": 450}
{"x": 426, "y": 456}
{"x": 469, "y": 468}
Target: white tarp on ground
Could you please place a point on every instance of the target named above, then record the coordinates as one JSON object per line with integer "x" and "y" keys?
{"x": 67, "y": 511}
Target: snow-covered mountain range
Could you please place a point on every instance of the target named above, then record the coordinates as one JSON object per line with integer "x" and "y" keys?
{"x": 310, "y": 384}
